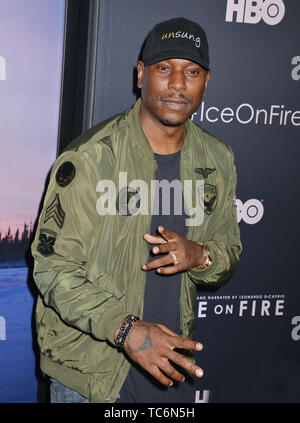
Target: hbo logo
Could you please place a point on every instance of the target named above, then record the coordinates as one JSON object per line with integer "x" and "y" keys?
{"x": 250, "y": 212}
{"x": 252, "y": 11}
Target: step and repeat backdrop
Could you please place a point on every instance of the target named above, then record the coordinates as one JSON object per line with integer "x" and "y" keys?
{"x": 31, "y": 44}
{"x": 250, "y": 327}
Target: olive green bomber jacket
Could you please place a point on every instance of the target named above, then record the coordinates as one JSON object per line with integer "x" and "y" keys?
{"x": 88, "y": 265}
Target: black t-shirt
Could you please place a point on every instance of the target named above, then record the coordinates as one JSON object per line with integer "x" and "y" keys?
{"x": 162, "y": 292}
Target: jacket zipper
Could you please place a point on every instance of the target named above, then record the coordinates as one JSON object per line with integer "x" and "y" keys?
{"x": 109, "y": 396}
{"x": 181, "y": 167}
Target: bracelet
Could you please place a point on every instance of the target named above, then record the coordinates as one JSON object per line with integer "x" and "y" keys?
{"x": 206, "y": 255}
{"x": 124, "y": 330}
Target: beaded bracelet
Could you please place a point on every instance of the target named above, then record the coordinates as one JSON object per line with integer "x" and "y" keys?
{"x": 124, "y": 330}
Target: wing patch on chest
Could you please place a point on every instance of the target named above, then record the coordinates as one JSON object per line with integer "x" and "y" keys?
{"x": 204, "y": 172}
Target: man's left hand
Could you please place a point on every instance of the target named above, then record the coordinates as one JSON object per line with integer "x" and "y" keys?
{"x": 182, "y": 253}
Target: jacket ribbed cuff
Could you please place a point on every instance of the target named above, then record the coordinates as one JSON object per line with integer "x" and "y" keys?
{"x": 109, "y": 322}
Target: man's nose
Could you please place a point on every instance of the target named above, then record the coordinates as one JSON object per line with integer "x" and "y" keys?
{"x": 177, "y": 81}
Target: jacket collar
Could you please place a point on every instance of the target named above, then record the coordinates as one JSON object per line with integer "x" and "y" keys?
{"x": 140, "y": 138}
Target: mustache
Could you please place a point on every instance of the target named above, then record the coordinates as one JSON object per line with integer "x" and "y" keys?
{"x": 178, "y": 98}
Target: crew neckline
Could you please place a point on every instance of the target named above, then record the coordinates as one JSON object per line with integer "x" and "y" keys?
{"x": 177, "y": 153}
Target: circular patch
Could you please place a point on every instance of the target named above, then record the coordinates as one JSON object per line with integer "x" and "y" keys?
{"x": 128, "y": 201}
{"x": 65, "y": 174}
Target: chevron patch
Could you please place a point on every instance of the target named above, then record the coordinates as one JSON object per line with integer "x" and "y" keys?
{"x": 55, "y": 212}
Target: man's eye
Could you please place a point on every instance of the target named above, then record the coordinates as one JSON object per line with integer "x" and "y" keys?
{"x": 163, "y": 68}
{"x": 193, "y": 72}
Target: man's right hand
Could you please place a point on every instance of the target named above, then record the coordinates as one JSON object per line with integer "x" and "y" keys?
{"x": 151, "y": 345}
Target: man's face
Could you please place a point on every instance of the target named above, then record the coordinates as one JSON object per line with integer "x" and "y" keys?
{"x": 172, "y": 89}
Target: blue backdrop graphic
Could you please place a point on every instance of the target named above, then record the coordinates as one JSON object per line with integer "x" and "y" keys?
{"x": 31, "y": 42}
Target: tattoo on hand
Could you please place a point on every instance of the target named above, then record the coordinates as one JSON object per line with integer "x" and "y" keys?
{"x": 145, "y": 345}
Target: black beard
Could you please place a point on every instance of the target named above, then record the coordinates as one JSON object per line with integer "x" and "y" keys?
{"x": 170, "y": 124}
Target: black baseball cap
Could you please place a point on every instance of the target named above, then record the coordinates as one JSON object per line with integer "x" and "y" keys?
{"x": 176, "y": 38}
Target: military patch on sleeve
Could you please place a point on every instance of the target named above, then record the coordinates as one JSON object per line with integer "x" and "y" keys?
{"x": 55, "y": 212}
{"x": 46, "y": 243}
{"x": 65, "y": 174}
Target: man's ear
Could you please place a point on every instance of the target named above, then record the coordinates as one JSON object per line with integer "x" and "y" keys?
{"x": 140, "y": 74}
{"x": 207, "y": 78}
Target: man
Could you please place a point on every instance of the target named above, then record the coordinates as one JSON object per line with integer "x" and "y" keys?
{"x": 113, "y": 323}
